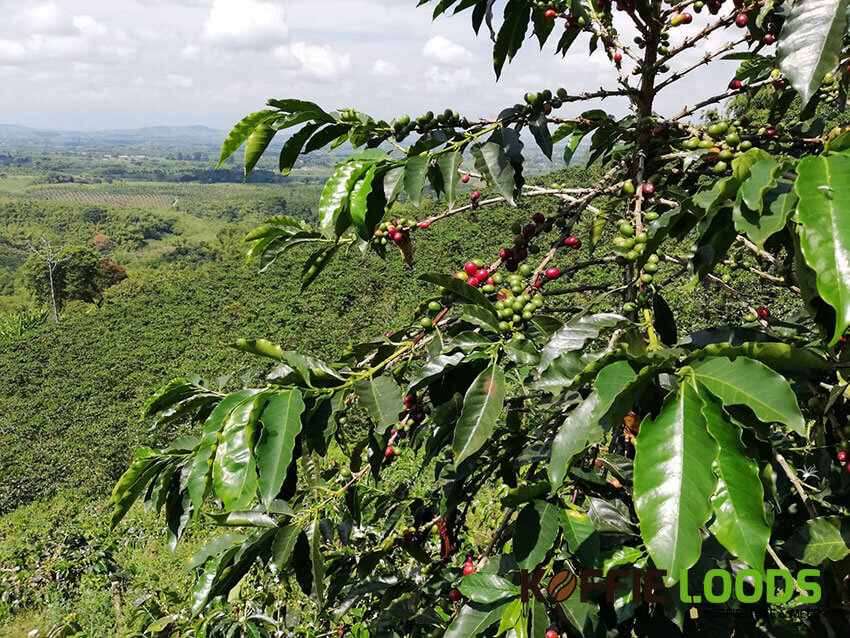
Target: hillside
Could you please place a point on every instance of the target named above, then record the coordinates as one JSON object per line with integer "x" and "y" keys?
{"x": 100, "y": 366}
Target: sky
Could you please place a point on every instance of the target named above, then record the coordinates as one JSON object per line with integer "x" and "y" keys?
{"x": 107, "y": 64}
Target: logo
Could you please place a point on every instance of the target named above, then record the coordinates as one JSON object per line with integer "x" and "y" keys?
{"x": 775, "y": 586}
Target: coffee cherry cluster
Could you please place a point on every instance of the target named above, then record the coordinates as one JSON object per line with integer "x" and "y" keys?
{"x": 515, "y": 307}
{"x": 404, "y": 126}
{"x": 414, "y": 410}
{"x": 397, "y": 231}
{"x": 475, "y": 274}
{"x": 830, "y": 87}
{"x": 542, "y": 102}
{"x": 723, "y": 142}
{"x": 630, "y": 243}
{"x": 350, "y": 116}
{"x": 523, "y": 234}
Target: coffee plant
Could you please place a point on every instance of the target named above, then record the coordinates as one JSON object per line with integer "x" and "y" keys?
{"x": 546, "y": 439}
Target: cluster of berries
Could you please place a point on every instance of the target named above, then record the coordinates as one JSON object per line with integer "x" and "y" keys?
{"x": 516, "y": 308}
{"x": 397, "y": 231}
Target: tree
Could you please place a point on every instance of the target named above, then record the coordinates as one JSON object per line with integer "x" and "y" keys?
{"x": 42, "y": 275}
{"x": 606, "y": 440}
{"x": 69, "y": 274}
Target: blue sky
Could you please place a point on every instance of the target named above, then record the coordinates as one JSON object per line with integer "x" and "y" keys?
{"x": 96, "y": 64}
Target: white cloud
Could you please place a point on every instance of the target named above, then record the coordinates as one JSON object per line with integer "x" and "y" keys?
{"x": 450, "y": 80}
{"x": 190, "y": 52}
{"x": 385, "y": 69}
{"x": 11, "y": 52}
{"x": 245, "y": 24}
{"x": 443, "y": 50}
{"x": 45, "y": 19}
{"x": 48, "y": 36}
{"x": 320, "y": 62}
{"x": 180, "y": 81}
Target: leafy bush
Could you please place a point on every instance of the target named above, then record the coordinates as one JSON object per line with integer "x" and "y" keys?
{"x": 610, "y": 438}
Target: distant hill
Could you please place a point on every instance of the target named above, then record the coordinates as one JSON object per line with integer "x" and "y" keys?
{"x": 191, "y": 138}
{"x": 196, "y": 134}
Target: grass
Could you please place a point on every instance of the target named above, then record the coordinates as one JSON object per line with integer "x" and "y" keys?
{"x": 15, "y": 184}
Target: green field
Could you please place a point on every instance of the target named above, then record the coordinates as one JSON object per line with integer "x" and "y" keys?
{"x": 159, "y": 196}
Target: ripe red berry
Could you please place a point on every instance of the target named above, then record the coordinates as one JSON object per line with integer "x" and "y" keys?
{"x": 742, "y": 20}
{"x": 735, "y": 84}
{"x": 572, "y": 242}
{"x": 618, "y": 58}
{"x": 553, "y": 273}
{"x": 476, "y": 195}
{"x": 398, "y": 238}
{"x": 389, "y": 451}
{"x": 424, "y": 225}
{"x": 455, "y": 596}
{"x": 551, "y": 634}
{"x": 842, "y": 340}
{"x": 409, "y": 401}
{"x": 769, "y": 132}
{"x": 648, "y": 188}
{"x": 538, "y": 218}
{"x": 659, "y": 131}
{"x": 687, "y": 18}
{"x": 597, "y": 463}
{"x": 847, "y": 468}
{"x": 506, "y": 253}
{"x": 769, "y": 39}
{"x": 763, "y": 312}
{"x": 551, "y": 14}
{"x": 490, "y": 281}
{"x": 473, "y": 281}
{"x": 408, "y": 536}
{"x": 393, "y": 431}
{"x": 778, "y": 84}
{"x": 482, "y": 275}
{"x": 468, "y": 569}
{"x": 470, "y": 268}
{"x": 842, "y": 456}
{"x": 538, "y": 283}
{"x": 465, "y": 178}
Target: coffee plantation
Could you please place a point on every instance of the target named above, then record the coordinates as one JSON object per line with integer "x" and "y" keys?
{"x": 599, "y": 435}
